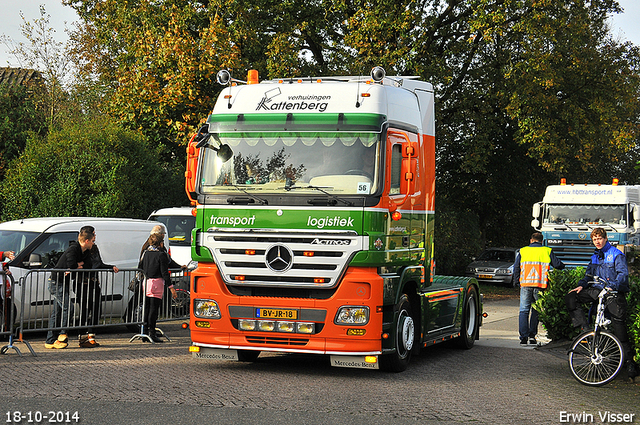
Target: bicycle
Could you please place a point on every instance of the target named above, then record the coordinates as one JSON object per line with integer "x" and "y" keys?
{"x": 596, "y": 356}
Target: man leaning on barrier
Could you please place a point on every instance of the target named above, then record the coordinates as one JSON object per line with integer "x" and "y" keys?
{"x": 77, "y": 256}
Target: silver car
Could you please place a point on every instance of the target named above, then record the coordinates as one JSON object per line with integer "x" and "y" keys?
{"x": 494, "y": 265}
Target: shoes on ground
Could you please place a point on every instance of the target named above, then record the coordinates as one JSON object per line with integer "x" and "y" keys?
{"x": 523, "y": 341}
{"x": 87, "y": 341}
{"x": 57, "y": 345}
{"x": 533, "y": 341}
{"x": 63, "y": 338}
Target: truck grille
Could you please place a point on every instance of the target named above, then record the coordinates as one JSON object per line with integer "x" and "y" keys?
{"x": 573, "y": 253}
{"x": 269, "y": 258}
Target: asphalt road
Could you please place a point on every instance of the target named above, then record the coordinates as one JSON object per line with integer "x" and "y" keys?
{"x": 122, "y": 382}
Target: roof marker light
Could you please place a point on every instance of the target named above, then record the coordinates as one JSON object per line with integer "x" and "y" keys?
{"x": 252, "y": 76}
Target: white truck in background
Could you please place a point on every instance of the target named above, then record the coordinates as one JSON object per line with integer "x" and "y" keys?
{"x": 568, "y": 213}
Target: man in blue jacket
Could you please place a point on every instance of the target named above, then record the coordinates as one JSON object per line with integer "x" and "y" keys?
{"x": 610, "y": 265}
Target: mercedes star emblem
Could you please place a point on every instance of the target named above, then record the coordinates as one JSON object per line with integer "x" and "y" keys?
{"x": 279, "y": 258}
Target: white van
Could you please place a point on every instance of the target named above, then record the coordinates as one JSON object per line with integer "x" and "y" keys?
{"x": 179, "y": 222}
{"x": 39, "y": 243}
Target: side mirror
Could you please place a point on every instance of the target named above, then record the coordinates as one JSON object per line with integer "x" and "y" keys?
{"x": 225, "y": 153}
{"x": 536, "y": 210}
{"x": 35, "y": 260}
{"x": 202, "y": 137}
{"x": 535, "y": 224}
{"x": 636, "y": 217}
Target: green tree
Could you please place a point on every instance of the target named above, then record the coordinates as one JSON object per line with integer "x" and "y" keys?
{"x": 159, "y": 62}
{"x": 575, "y": 91}
{"x": 89, "y": 168}
{"x": 44, "y": 53}
{"x": 19, "y": 117}
{"x": 528, "y": 91}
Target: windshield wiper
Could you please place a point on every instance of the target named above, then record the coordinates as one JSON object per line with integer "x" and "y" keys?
{"x": 335, "y": 198}
{"x": 243, "y": 200}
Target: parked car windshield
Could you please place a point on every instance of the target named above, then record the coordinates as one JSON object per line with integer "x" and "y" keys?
{"x": 497, "y": 255}
{"x": 16, "y": 241}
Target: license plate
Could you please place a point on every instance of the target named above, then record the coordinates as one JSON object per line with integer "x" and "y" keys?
{"x": 216, "y": 354}
{"x": 276, "y": 313}
{"x": 485, "y": 276}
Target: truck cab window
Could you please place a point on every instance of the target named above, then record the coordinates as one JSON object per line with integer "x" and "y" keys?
{"x": 396, "y": 169}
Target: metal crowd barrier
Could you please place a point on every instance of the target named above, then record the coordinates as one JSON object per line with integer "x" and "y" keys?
{"x": 170, "y": 309}
{"x": 89, "y": 300}
{"x": 8, "y": 313}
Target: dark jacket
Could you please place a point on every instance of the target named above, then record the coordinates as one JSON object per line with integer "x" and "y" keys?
{"x": 172, "y": 264}
{"x": 610, "y": 264}
{"x": 69, "y": 260}
{"x": 97, "y": 263}
{"x": 155, "y": 264}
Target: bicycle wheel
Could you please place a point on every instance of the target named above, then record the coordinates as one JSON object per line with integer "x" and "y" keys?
{"x": 180, "y": 306}
{"x": 595, "y": 360}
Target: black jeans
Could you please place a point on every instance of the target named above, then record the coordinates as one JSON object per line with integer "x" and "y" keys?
{"x": 616, "y": 306}
{"x": 151, "y": 310}
{"x": 89, "y": 297}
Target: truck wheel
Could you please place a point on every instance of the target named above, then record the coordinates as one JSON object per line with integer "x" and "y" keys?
{"x": 404, "y": 338}
{"x": 248, "y": 355}
{"x": 469, "y": 329}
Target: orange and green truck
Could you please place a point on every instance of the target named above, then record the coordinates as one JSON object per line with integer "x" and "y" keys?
{"x": 314, "y": 202}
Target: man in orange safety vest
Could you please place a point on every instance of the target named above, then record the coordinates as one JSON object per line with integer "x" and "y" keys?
{"x": 531, "y": 270}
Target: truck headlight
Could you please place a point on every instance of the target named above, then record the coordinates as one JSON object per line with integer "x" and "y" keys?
{"x": 352, "y": 315}
{"x": 206, "y": 309}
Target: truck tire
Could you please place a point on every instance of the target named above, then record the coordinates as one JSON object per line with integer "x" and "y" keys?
{"x": 405, "y": 335}
{"x": 470, "y": 320}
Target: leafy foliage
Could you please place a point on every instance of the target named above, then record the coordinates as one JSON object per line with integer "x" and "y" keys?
{"x": 527, "y": 91}
{"x": 456, "y": 245}
{"x": 43, "y": 52}
{"x": 19, "y": 117}
{"x": 92, "y": 168}
{"x": 159, "y": 60}
{"x": 633, "y": 321}
{"x": 551, "y": 307}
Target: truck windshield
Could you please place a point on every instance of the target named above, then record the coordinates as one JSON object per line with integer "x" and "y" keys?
{"x": 342, "y": 163}
{"x": 615, "y": 215}
{"x": 15, "y": 240}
